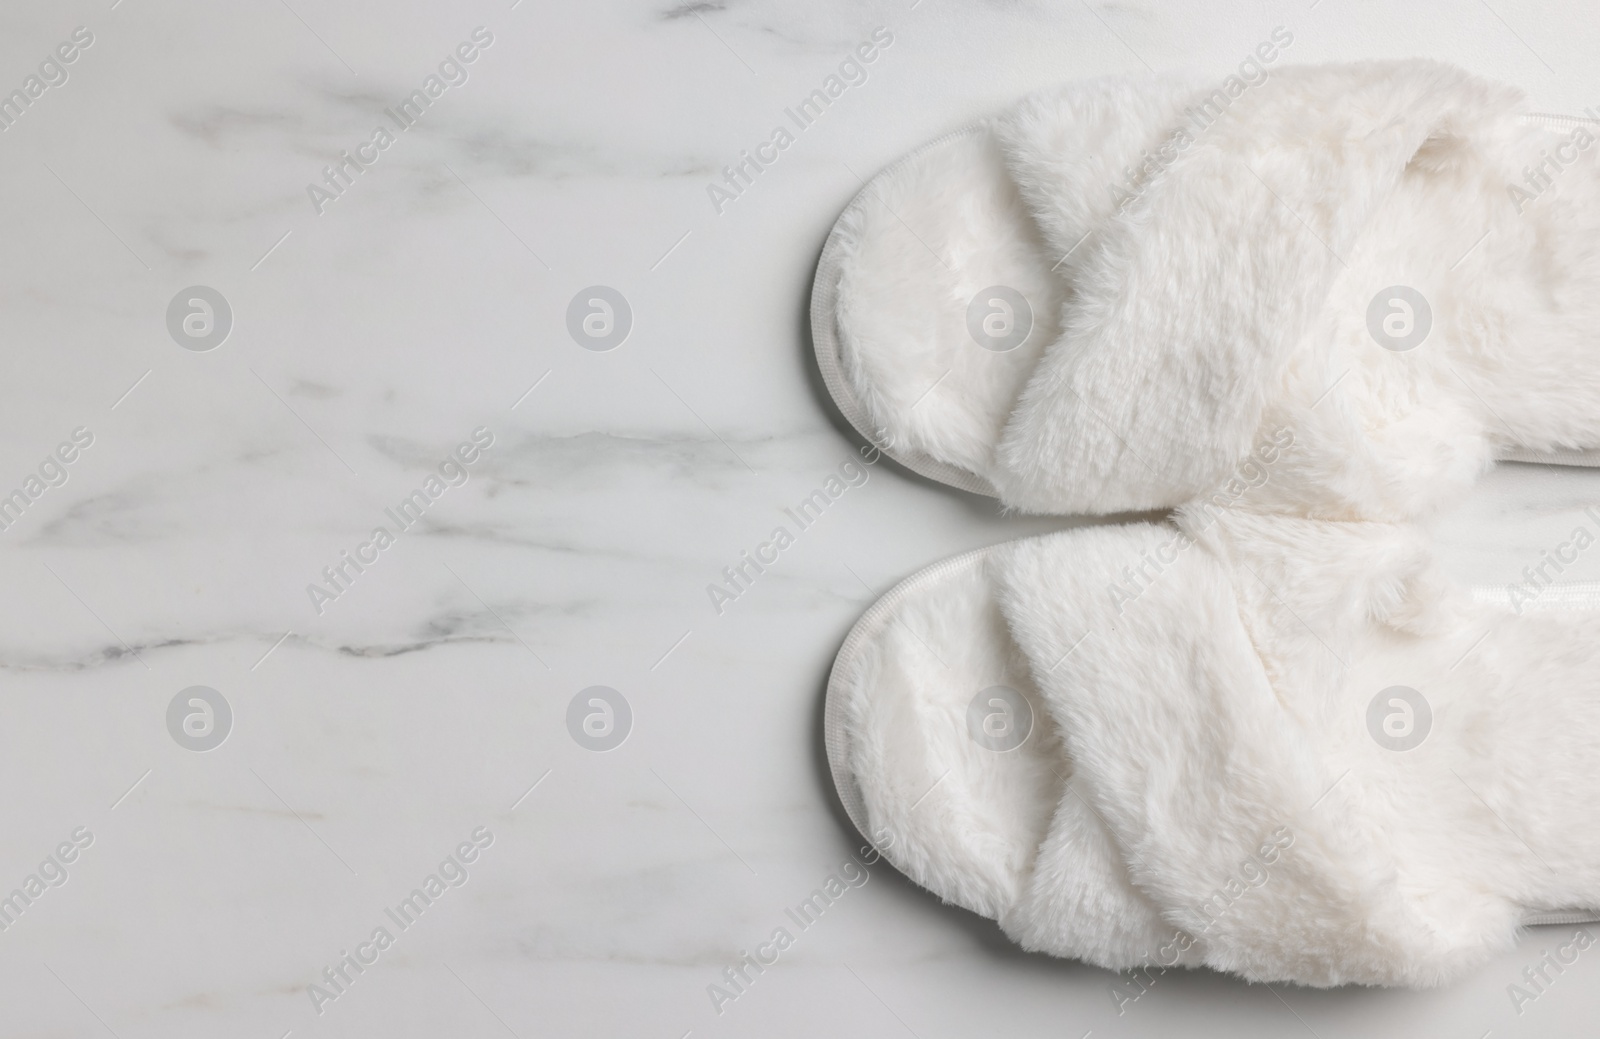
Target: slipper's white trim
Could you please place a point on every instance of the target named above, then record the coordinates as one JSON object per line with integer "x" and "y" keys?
{"x": 1552, "y": 121}
{"x": 1560, "y": 916}
{"x": 1562, "y": 595}
{"x": 1581, "y": 459}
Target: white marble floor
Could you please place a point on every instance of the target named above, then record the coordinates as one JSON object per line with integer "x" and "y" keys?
{"x": 411, "y": 721}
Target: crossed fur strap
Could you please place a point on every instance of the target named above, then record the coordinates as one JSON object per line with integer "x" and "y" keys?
{"x": 1223, "y": 786}
{"x": 1188, "y": 299}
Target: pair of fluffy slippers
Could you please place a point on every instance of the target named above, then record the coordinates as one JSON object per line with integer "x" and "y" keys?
{"x": 1264, "y": 736}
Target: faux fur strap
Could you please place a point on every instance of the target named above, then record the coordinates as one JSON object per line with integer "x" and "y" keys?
{"x": 1190, "y": 297}
{"x": 1220, "y": 734}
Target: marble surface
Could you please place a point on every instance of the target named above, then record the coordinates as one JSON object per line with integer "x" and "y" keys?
{"x": 372, "y": 333}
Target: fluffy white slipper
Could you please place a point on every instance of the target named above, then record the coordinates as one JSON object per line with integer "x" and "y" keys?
{"x": 1101, "y": 299}
{"x": 1282, "y": 748}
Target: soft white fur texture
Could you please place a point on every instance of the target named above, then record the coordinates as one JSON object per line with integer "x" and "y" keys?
{"x": 1230, "y": 295}
{"x": 954, "y": 218}
{"x": 901, "y": 303}
{"x": 1221, "y": 711}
